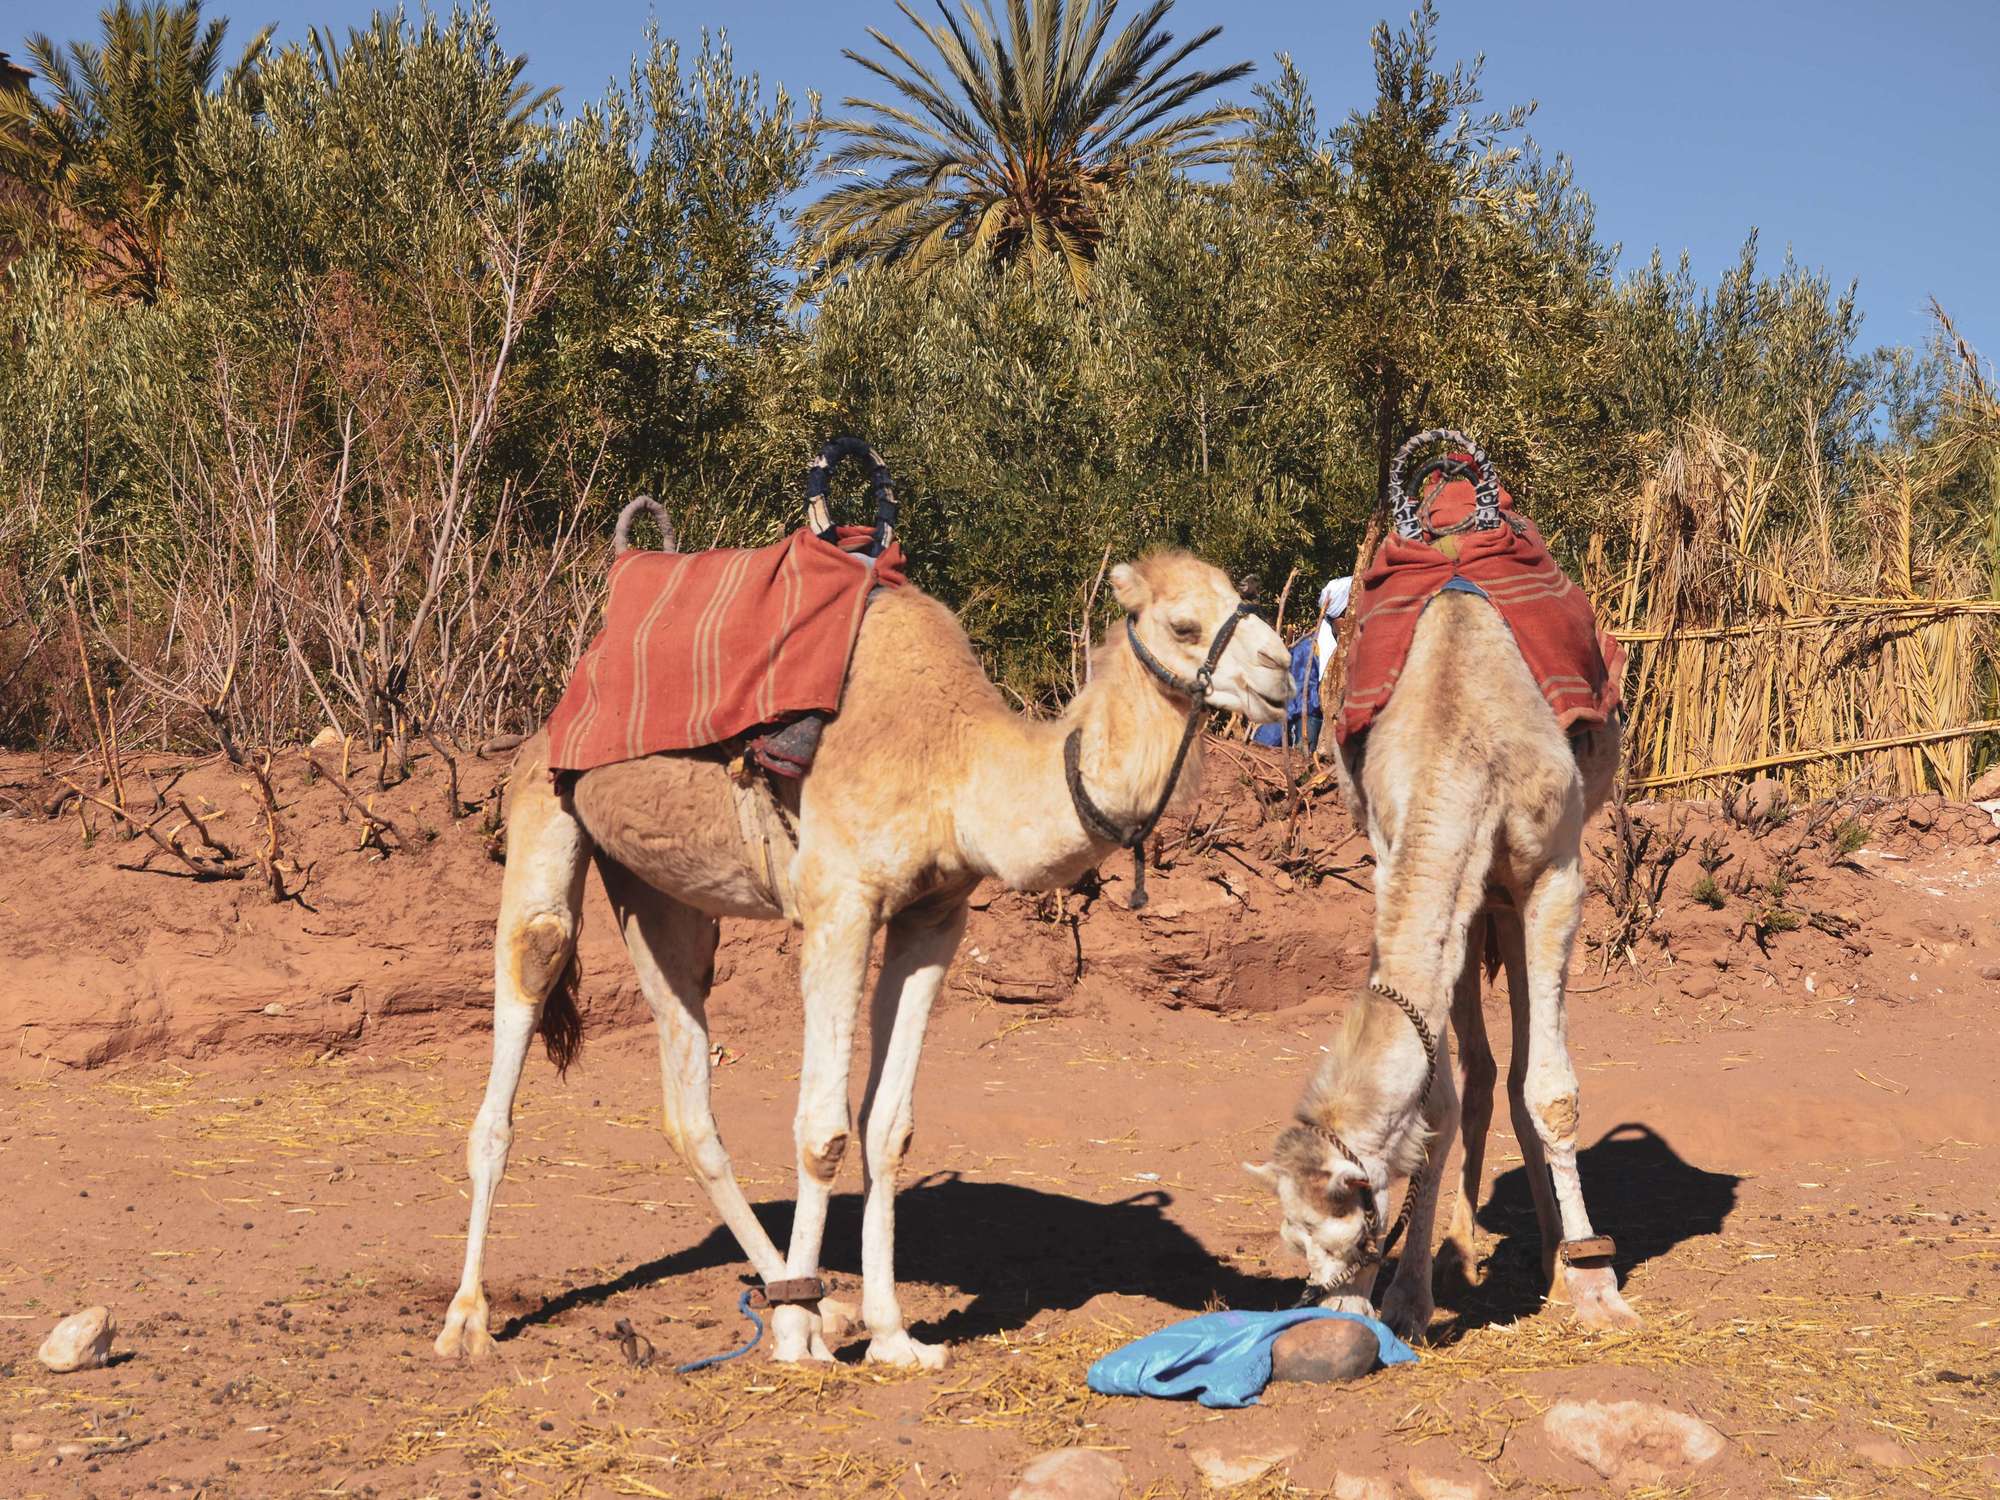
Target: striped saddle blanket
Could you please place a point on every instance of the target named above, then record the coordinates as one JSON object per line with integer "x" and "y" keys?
{"x": 1576, "y": 664}
{"x": 700, "y": 647}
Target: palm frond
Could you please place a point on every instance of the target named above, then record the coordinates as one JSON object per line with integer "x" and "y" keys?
{"x": 1007, "y": 142}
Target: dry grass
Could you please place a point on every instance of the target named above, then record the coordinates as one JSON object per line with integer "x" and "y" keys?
{"x": 1760, "y": 647}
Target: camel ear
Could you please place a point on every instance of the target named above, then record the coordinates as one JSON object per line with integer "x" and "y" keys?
{"x": 1345, "y": 1183}
{"x": 1264, "y": 1172}
{"x": 1132, "y": 592}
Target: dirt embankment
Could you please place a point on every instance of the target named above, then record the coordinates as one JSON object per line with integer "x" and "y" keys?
{"x": 117, "y": 950}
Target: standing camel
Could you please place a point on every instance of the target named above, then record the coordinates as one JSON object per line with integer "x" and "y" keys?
{"x": 924, "y": 784}
{"x": 1475, "y": 799}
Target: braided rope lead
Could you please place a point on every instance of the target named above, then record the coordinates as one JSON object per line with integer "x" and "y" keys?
{"x": 742, "y": 1306}
{"x": 1486, "y": 514}
{"x": 819, "y": 477}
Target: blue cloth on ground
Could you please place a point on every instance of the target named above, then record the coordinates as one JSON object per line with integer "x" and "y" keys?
{"x": 1220, "y": 1359}
{"x": 1302, "y": 710}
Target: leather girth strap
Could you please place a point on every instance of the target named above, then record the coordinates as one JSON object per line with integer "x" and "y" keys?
{"x": 801, "y": 1291}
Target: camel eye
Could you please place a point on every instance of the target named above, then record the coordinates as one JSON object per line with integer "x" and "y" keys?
{"x": 1186, "y": 631}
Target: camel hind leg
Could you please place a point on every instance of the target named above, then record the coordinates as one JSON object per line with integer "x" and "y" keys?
{"x": 673, "y": 952}
{"x": 534, "y": 950}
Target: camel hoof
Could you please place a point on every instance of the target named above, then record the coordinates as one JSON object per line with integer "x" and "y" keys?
{"x": 906, "y": 1353}
{"x": 1458, "y": 1260}
{"x": 837, "y": 1319}
{"x": 1593, "y": 1295}
{"x": 465, "y": 1335}
{"x": 1407, "y": 1312}
{"x": 795, "y": 1336}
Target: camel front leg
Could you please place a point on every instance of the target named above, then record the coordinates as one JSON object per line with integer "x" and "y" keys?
{"x": 833, "y": 962}
{"x": 1549, "y": 926}
{"x": 541, "y": 898}
{"x": 915, "y": 959}
{"x": 1408, "y": 1304}
{"x": 1475, "y": 1106}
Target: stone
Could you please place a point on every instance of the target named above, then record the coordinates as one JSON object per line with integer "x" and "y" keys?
{"x": 1362, "y": 1487}
{"x": 1429, "y": 1486}
{"x": 1987, "y": 787}
{"x": 81, "y": 1341}
{"x": 1071, "y": 1474}
{"x": 1922, "y": 812}
{"x": 25, "y": 1442}
{"x": 328, "y": 738}
{"x": 275, "y": 1008}
{"x": 1323, "y": 1350}
{"x": 1762, "y": 801}
{"x": 1990, "y": 972}
{"x": 1223, "y": 1469}
{"x": 1632, "y": 1442}
{"x": 1885, "y": 1454}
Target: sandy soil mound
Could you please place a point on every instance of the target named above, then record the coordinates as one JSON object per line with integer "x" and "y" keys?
{"x": 1263, "y": 901}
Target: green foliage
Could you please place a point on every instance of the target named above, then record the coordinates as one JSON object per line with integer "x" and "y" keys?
{"x": 1015, "y": 147}
{"x": 1771, "y": 360}
{"x": 1444, "y": 274}
{"x": 394, "y": 336}
{"x": 100, "y": 157}
{"x": 1709, "y": 893}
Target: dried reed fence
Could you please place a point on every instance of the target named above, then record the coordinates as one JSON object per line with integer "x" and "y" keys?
{"x": 1772, "y": 633}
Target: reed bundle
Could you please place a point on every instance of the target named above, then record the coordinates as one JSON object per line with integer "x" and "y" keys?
{"x": 1770, "y": 629}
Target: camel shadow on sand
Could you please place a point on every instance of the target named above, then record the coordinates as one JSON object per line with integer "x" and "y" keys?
{"x": 1016, "y": 1251}
{"x": 1641, "y": 1192}
{"x": 1019, "y": 1251}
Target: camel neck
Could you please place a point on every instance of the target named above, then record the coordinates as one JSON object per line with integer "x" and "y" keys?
{"x": 1018, "y": 822}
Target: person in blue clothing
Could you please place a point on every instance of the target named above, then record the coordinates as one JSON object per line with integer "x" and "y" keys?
{"x": 1312, "y": 655}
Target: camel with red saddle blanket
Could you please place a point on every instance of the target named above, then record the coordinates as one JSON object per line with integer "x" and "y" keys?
{"x": 924, "y": 783}
{"x": 1480, "y": 730}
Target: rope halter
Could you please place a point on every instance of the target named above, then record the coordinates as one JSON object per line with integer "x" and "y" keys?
{"x": 1098, "y": 823}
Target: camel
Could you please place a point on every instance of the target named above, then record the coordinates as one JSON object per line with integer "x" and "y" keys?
{"x": 925, "y": 783}
{"x": 1475, "y": 801}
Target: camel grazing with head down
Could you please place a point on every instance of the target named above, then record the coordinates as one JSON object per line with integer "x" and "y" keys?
{"x": 1474, "y": 800}
{"x": 924, "y": 784}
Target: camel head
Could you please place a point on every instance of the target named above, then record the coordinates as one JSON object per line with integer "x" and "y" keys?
{"x": 1326, "y": 1203}
{"x": 1177, "y": 603}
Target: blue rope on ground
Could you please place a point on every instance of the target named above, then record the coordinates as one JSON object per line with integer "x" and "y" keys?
{"x": 722, "y": 1359}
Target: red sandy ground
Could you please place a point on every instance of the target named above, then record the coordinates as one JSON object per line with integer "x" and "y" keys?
{"x": 1795, "y": 1149}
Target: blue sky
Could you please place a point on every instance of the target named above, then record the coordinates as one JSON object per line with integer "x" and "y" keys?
{"x": 1860, "y": 134}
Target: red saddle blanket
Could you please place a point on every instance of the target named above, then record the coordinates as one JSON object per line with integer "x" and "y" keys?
{"x": 698, "y": 647}
{"x": 1576, "y": 664}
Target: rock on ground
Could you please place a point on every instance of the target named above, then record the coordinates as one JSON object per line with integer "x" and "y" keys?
{"x": 1429, "y": 1486}
{"x": 1071, "y": 1474}
{"x": 81, "y": 1341}
{"x": 1362, "y": 1487}
{"x": 1632, "y": 1442}
{"x": 1223, "y": 1468}
{"x": 1885, "y": 1454}
{"x": 1323, "y": 1350}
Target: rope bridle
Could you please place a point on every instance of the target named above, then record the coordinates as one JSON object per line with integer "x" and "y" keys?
{"x": 1099, "y": 824}
{"x": 1376, "y": 1246}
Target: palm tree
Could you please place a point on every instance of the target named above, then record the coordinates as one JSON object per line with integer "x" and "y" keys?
{"x": 98, "y": 161}
{"x": 1012, "y": 149}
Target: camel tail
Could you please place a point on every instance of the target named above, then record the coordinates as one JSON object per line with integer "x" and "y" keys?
{"x": 561, "y": 1027}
